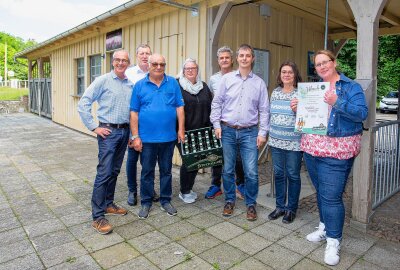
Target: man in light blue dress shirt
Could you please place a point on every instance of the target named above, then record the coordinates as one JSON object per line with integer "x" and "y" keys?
{"x": 240, "y": 116}
{"x": 112, "y": 92}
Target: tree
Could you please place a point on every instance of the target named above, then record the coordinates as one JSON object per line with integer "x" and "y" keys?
{"x": 388, "y": 62}
{"x": 14, "y": 45}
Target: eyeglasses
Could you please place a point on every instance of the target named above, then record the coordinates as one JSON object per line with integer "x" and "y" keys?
{"x": 123, "y": 61}
{"x": 191, "y": 69}
{"x": 158, "y": 64}
{"x": 322, "y": 64}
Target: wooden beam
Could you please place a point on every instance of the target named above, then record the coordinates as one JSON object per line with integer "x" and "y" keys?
{"x": 390, "y": 18}
{"x": 319, "y": 12}
{"x": 353, "y": 34}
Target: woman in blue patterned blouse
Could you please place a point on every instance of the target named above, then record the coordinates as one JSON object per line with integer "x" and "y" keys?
{"x": 285, "y": 143}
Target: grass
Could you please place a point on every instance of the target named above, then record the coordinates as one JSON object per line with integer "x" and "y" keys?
{"x": 7, "y": 93}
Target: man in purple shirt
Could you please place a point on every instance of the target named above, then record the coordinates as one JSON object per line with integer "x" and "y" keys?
{"x": 240, "y": 116}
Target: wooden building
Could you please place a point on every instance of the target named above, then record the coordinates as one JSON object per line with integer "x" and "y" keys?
{"x": 63, "y": 66}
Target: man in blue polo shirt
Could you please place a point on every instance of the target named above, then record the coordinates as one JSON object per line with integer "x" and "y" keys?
{"x": 155, "y": 105}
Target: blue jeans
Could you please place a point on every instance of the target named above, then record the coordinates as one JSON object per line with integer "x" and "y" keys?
{"x": 287, "y": 166}
{"x": 152, "y": 153}
{"x": 131, "y": 169}
{"x": 246, "y": 140}
{"x": 329, "y": 177}
{"x": 111, "y": 155}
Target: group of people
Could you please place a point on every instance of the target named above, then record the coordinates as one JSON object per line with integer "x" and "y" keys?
{"x": 143, "y": 108}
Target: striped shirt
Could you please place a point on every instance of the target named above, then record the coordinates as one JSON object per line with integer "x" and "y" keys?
{"x": 113, "y": 96}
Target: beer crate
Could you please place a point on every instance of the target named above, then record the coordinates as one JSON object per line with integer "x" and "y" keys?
{"x": 201, "y": 149}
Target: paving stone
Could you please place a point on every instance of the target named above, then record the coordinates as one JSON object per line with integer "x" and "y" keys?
{"x": 302, "y": 218}
{"x": 241, "y": 221}
{"x": 82, "y": 230}
{"x": 114, "y": 255}
{"x": 68, "y": 209}
{"x": 133, "y": 229}
{"x": 57, "y": 198}
{"x": 179, "y": 230}
{"x": 209, "y": 204}
{"x": 384, "y": 254}
{"x": 199, "y": 242}
{"x": 250, "y": 264}
{"x": 161, "y": 219}
{"x": 44, "y": 227}
{"x": 27, "y": 262}
{"x": 169, "y": 255}
{"x": 12, "y": 236}
{"x": 149, "y": 241}
{"x": 15, "y": 250}
{"x": 239, "y": 210}
{"x": 278, "y": 257}
{"x": 271, "y": 232}
{"x": 97, "y": 241}
{"x": 298, "y": 243}
{"x": 192, "y": 262}
{"x": 204, "y": 220}
{"x": 76, "y": 218}
{"x": 81, "y": 263}
{"x": 52, "y": 239}
{"x": 346, "y": 259}
{"x": 121, "y": 220}
{"x": 362, "y": 264}
{"x": 63, "y": 253}
{"x": 218, "y": 256}
{"x": 356, "y": 242}
{"x": 309, "y": 265}
{"x": 189, "y": 210}
{"x": 225, "y": 231}
{"x": 137, "y": 263}
{"x": 250, "y": 243}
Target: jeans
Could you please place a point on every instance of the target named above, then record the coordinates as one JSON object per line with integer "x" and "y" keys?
{"x": 152, "y": 153}
{"x": 287, "y": 166}
{"x": 246, "y": 141}
{"x": 217, "y": 172}
{"x": 131, "y": 169}
{"x": 111, "y": 155}
{"x": 329, "y": 177}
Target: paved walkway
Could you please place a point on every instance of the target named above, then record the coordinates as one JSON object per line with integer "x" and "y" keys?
{"x": 46, "y": 175}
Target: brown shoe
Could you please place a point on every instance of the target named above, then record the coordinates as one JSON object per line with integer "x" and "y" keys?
{"x": 228, "y": 209}
{"x": 114, "y": 209}
{"x": 102, "y": 226}
{"x": 251, "y": 213}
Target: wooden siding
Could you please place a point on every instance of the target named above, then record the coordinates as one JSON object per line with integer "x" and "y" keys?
{"x": 176, "y": 35}
{"x": 284, "y": 35}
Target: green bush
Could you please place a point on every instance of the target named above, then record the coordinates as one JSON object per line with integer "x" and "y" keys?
{"x": 7, "y": 93}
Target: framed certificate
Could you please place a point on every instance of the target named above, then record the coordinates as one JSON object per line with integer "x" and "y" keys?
{"x": 312, "y": 111}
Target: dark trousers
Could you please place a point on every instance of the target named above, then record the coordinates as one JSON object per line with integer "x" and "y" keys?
{"x": 151, "y": 154}
{"x": 217, "y": 172}
{"x": 111, "y": 155}
{"x": 131, "y": 169}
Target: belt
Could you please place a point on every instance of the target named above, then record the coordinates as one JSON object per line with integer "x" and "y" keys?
{"x": 236, "y": 126}
{"x": 125, "y": 125}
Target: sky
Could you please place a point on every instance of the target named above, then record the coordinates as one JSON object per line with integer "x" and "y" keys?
{"x": 43, "y": 19}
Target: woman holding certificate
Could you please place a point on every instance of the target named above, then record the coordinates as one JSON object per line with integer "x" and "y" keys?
{"x": 285, "y": 144}
{"x": 329, "y": 158}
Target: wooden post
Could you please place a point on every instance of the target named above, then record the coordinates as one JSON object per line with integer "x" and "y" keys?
{"x": 366, "y": 14}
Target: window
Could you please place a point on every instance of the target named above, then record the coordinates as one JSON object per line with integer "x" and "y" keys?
{"x": 80, "y": 74}
{"x": 95, "y": 67}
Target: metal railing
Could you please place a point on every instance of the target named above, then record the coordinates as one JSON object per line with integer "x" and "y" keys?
{"x": 386, "y": 161}
{"x": 15, "y": 84}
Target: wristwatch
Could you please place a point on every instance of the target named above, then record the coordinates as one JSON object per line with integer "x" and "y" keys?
{"x": 134, "y": 137}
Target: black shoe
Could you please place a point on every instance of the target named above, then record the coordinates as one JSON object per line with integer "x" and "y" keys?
{"x": 156, "y": 198}
{"x": 132, "y": 198}
{"x": 276, "y": 213}
{"x": 288, "y": 217}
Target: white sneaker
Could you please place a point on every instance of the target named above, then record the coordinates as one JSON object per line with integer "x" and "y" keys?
{"x": 332, "y": 251}
{"x": 186, "y": 198}
{"x": 318, "y": 235}
{"x": 193, "y": 194}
